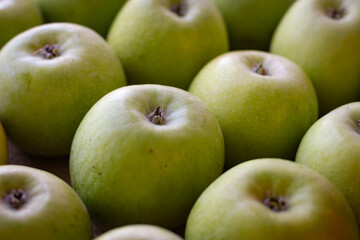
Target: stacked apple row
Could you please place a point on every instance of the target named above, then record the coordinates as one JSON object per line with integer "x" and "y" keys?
{"x": 153, "y": 153}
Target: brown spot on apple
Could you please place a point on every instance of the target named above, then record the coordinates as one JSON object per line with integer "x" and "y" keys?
{"x": 335, "y": 13}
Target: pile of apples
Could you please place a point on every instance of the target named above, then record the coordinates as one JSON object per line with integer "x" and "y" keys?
{"x": 231, "y": 119}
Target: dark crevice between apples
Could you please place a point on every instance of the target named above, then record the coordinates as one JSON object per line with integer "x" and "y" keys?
{"x": 179, "y": 9}
{"x": 260, "y": 69}
{"x": 49, "y": 51}
{"x": 275, "y": 203}
{"x": 157, "y": 116}
{"x": 335, "y": 13}
{"x": 15, "y": 199}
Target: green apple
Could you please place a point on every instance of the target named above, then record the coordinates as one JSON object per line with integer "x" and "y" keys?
{"x": 323, "y": 36}
{"x": 332, "y": 147}
{"x": 139, "y": 232}
{"x": 143, "y": 154}
{"x": 94, "y": 14}
{"x": 37, "y": 205}
{"x": 17, "y": 16}
{"x": 167, "y": 41}
{"x": 4, "y": 155}
{"x": 271, "y": 199}
{"x": 50, "y": 76}
{"x": 251, "y": 23}
{"x": 263, "y": 102}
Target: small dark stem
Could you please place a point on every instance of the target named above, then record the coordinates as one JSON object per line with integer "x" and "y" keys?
{"x": 157, "y": 116}
{"x": 16, "y": 198}
{"x": 179, "y": 8}
{"x": 275, "y": 203}
{"x": 335, "y": 13}
{"x": 48, "y": 51}
{"x": 259, "y": 69}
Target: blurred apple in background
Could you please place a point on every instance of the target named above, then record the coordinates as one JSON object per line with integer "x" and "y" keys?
{"x": 251, "y": 23}
{"x": 36, "y": 205}
{"x": 323, "y": 36}
{"x": 332, "y": 147}
{"x": 263, "y": 102}
{"x": 143, "y": 154}
{"x": 50, "y": 76}
{"x": 17, "y": 16}
{"x": 139, "y": 232}
{"x": 94, "y": 14}
{"x": 167, "y": 42}
{"x": 271, "y": 199}
{"x": 4, "y": 156}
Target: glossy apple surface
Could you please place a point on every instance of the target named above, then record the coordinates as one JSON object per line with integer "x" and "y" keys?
{"x": 37, "y": 205}
{"x": 271, "y": 199}
{"x": 167, "y": 42}
{"x": 50, "y": 76}
{"x": 17, "y": 16}
{"x": 332, "y": 148}
{"x": 263, "y": 102}
{"x": 139, "y": 232}
{"x": 322, "y": 36}
{"x": 143, "y": 154}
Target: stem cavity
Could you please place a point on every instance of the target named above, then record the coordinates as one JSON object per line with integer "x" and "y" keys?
{"x": 179, "y": 9}
{"x": 335, "y": 13}
{"x": 157, "y": 116}
{"x": 16, "y": 198}
{"x": 275, "y": 203}
{"x": 259, "y": 69}
{"x": 48, "y": 51}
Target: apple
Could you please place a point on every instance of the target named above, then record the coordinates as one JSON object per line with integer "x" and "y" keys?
{"x": 17, "y": 16}
{"x": 37, "y": 205}
{"x": 139, "y": 231}
{"x": 143, "y": 154}
{"x": 323, "y": 36}
{"x": 167, "y": 42}
{"x": 271, "y": 199}
{"x": 94, "y": 14}
{"x": 332, "y": 147}
{"x": 251, "y": 23}
{"x": 50, "y": 76}
{"x": 4, "y": 155}
{"x": 263, "y": 102}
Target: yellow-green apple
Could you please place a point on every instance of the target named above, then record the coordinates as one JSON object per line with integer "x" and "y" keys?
{"x": 323, "y": 36}
{"x": 139, "y": 232}
{"x": 263, "y": 102}
{"x": 50, "y": 76}
{"x": 167, "y": 41}
{"x": 17, "y": 16}
{"x": 4, "y": 154}
{"x": 37, "y": 205}
{"x": 143, "y": 154}
{"x": 332, "y": 147}
{"x": 251, "y": 23}
{"x": 271, "y": 199}
{"x": 94, "y": 14}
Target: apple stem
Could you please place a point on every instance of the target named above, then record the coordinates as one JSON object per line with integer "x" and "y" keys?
{"x": 16, "y": 198}
{"x": 48, "y": 51}
{"x": 276, "y": 204}
{"x": 335, "y": 14}
{"x": 178, "y": 8}
{"x": 157, "y": 116}
{"x": 259, "y": 69}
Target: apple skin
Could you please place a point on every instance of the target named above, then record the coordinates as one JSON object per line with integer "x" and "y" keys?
{"x": 332, "y": 147}
{"x": 260, "y": 18}
{"x": 233, "y": 207}
{"x": 4, "y": 154}
{"x": 44, "y": 100}
{"x": 128, "y": 170}
{"x": 17, "y": 16}
{"x": 139, "y": 232}
{"x": 332, "y": 57}
{"x": 52, "y": 210}
{"x": 94, "y": 14}
{"x": 157, "y": 46}
{"x": 260, "y": 115}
